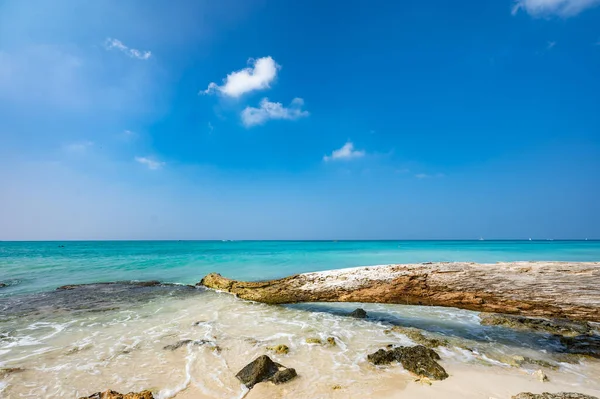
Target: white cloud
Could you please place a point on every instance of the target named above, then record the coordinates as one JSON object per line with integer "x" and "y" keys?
{"x": 562, "y": 8}
{"x": 257, "y": 77}
{"x": 268, "y": 110}
{"x": 133, "y": 53}
{"x": 346, "y": 152}
{"x": 150, "y": 163}
{"x": 550, "y": 45}
{"x": 211, "y": 128}
{"x": 78, "y": 147}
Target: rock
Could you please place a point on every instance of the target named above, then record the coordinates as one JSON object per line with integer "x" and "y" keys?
{"x": 556, "y": 327}
{"x": 539, "y": 374}
{"x": 358, "y": 313}
{"x": 416, "y": 359}
{"x": 565, "y": 290}
{"x": 331, "y": 341}
{"x": 314, "y": 341}
{"x": 2, "y": 285}
{"x": 417, "y": 335}
{"x": 115, "y": 395}
{"x": 284, "y": 375}
{"x": 336, "y": 387}
{"x": 279, "y": 349}
{"x": 559, "y": 395}
{"x": 261, "y": 369}
{"x": 184, "y": 342}
{"x": 588, "y": 345}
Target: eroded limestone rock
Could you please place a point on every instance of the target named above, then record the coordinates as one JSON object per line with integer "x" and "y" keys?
{"x": 419, "y": 360}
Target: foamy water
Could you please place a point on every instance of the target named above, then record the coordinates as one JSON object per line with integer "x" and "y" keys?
{"x": 97, "y": 338}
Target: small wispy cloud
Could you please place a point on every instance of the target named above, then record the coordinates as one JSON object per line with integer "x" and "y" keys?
{"x": 211, "y": 128}
{"x": 550, "y": 45}
{"x": 347, "y": 152}
{"x": 150, "y": 163}
{"x": 429, "y": 176}
{"x": 269, "y": 110}
{"x": 561, "y": 8}
{"x": 258, "y": 76}
{"x": 78, "y": 147}
{"x": 133, "y": 53}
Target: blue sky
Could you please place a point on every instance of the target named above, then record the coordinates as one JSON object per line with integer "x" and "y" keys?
{"x": 264, "y": 119}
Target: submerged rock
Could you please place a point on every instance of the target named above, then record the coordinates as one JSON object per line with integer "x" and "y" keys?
{"x": 279, "y": 349}
{"x": 313, "y": 340}
{"x": 557, "y": 326}
{"x": 417, "y": 335}
{"x": 588, "y": 345}
{"x": 284, "y": 375}
{"x": 10, "y": 370}
{"x": 547, "y": 395}
{"x": 331, "y": 341}
{"x": 2, "y": 285}
{"x": 419, "y": 360}
{"x": 185, "y": 342}
{"x": 151, "y": 283}
{"x": 358, "y": 313}
{"x": 110, "y": 394}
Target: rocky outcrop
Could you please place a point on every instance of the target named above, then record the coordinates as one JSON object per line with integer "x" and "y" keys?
{"x": 565, "y": 290}
{"x": 588, "y": 345}
{"x": 185, "y": 342}
{"x": 418, "y": 359}
{"x": 115, "y": 395}
{"x": 417, "y": 336}
{"x": 264, "y": 369}
{"x": 558, "y": 327}
{"x": 546, "y": 395}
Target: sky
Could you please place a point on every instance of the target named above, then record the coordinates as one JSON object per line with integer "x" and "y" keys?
{"x": 267, "y": 119}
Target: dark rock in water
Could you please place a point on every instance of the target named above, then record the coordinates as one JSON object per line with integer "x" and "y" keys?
{"x": 588, "y": 345}
{"x": 557, "y": 326}
{"x": 2, "y": 285}
{"x": 418, "y": 359}
{"x": 185, "y": 342}
{"x": 284, "y": 375}
{"x": 261, "y": 369}
{"x": 547, "y": 395}
{"x": 110, "y": 394}
{"x": 358, "y": 313}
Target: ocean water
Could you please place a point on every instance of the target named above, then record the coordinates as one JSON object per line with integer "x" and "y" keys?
{"x": 71, "y": 343}
{"x": 28, "y": 267}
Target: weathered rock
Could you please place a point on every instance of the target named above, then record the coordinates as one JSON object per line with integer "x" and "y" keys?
{"x": 261, "y": 369}
{"x": 588, "y": 345}
{"x": 417, "y": 335}
{"x": 416, "y": 359}
{"x": 2, "y": 285}
{"x": 331, "y": 341}
{"x": 115, "y": 395}
{"x": 562, "y": 290}
{"x": 358, "y": 313}
{"x": 558, "y": 327}
{"x": 284, "y": 375}
{"x": 559, "y": 395}
{"x": 279, "y": 349}
{"x": 185, "y": 342}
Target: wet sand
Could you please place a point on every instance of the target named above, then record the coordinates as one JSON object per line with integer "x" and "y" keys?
{"x": 98, "y": 339}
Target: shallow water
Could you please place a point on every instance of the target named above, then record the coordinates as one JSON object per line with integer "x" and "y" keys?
{"x": 40, "y": 266}
{"x": 70, "y": 343}
{"x": 113, "y": 336}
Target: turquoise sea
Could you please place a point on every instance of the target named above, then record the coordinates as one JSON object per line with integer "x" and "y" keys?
{"x": 28, "y": 267}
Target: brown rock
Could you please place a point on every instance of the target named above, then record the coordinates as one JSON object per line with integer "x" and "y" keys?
{"x": 115, "y": 395}
{"x": 559, "y": 395}
{"x": 261, "y": 369}
{"x": 418, "y": 359}
{"x": 563, "y": 290}
{"x": 284, "y": 375}
{"x": 558, "y": 327}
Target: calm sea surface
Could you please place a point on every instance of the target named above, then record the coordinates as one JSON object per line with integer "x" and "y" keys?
{"x": 28, "y": 267}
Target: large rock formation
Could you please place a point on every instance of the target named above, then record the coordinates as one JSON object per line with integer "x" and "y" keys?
{"x": 569, "y": 290}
